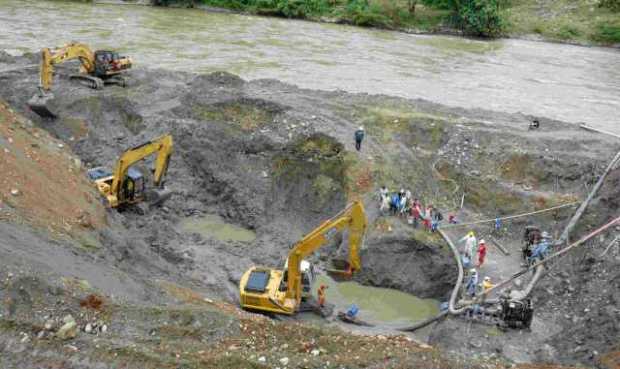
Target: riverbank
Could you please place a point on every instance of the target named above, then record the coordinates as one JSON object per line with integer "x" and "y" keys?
{"x": 578, "y": 22}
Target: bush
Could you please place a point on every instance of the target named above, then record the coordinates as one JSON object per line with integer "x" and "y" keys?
{"x": 361, "y": 13}
{"x": 613, "y": 5}
{"x": 568, "y": 31}
{"x": 480, "y": 17}
{"x": 607, "y": 32}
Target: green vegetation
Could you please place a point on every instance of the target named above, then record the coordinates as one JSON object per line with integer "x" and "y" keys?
{"x": 584, "y": 21}
{"x": 480, "y": 17}
{"x": 581, "y": 21}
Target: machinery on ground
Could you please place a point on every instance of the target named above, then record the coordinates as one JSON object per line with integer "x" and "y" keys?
{"x": 517, "y": 314}
{"x": 126, "y": 185}
{"x": 281, "y": 292}
{"x": 97, "y": 68}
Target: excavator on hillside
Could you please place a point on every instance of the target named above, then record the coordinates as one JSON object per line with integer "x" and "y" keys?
{"x": 281, "y": 292}
{"x": 125, "y": 185}
{"x": 97, "y": 68}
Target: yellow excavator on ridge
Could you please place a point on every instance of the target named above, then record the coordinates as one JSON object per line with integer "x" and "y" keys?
{"x": 126, "y": 185}
{"x": 281, "y": 292}
{"x": 97, "y": 68}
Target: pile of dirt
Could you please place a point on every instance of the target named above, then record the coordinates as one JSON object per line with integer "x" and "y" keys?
{"x": 43, "y": 183}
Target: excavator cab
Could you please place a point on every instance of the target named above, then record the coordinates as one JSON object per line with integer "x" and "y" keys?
{"x": 109, "y": 63}
{"x": 308, "y": 277}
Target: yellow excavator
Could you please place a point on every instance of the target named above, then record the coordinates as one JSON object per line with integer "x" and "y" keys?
{"x": 281, "y": 292}
{"x": 126, "y": 185}
{"x": 97, "y": 68}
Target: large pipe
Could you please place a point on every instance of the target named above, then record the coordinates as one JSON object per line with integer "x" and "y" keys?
{"x": 573, "y": 222}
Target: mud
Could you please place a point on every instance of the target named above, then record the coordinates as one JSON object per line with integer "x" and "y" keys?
{"x": 277, "y": 160}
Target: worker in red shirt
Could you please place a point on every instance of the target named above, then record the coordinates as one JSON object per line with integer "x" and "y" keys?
{"x": 482, "y": 252}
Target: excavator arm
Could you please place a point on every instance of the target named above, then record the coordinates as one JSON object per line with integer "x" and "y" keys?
{"x": 50, "y": 57}
{"x": 162, "y": 146}
{"x": 352, "y": 218}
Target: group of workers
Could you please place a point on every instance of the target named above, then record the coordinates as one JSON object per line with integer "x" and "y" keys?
{"x": 473, "y": 254}
{"x": 402, "y": 203}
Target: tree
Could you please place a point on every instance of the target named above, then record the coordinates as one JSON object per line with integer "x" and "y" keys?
{"x": 480, "y": 17}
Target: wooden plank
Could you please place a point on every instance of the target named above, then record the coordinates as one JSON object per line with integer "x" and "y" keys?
{"x": 499, "y": 246}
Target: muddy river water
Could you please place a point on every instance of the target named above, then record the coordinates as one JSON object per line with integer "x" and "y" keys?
{"x": 571, "y": 83}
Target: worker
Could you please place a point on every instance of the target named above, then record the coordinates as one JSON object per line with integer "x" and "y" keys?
{"x": 352, "y": 311}
{"x": 359, "y": 137}
{"x": 452, "y": 219}
{"x": 486, "y": 284}
{"x": 541, "y": 249}
{"x": 321, "y": 295}
{"x": 482, "y": 252}
{"x": 437, "y": 217}
{"x": 472, "y": 283}
{"x": 394, "y": 203}
{"x": 470, "y": 244}
{"x": 415, "y": 212}
{"x": 498, "y": 224}
{"x": 383, "y": 192}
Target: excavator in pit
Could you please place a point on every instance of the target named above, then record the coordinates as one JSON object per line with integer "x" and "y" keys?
{"x": 126, "y": 185}
{"x": 97, "y": 68}
{"x": 284, "y": 291}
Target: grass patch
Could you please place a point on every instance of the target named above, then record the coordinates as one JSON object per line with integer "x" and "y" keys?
{"x": 607, "y": 32}
{"x": 564, "y": 20}
{"x": 246, "y": 114}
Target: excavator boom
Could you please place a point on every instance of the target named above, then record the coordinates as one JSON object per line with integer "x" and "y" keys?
{"x": 263, "y": 289}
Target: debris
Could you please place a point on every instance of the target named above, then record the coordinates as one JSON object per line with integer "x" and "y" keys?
{"x": 284, "y": 361}
{"x": 262, "y": 359}
{"x": 15, "y": 192}
{"x": 315, "y": 352}
{"x": 49, "y": 325}
{"x": 88, "y": 328}
{"x": 68, "y": 330}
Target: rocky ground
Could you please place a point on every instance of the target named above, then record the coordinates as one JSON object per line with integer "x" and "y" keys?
{"x": 277, "y": 160}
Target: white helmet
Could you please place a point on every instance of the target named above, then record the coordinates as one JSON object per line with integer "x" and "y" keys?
{"x": 361, "y": 128}
{"x": 487, "y": 278}
{"x": 545, "y": 235}
{"x": 472, "y": 270}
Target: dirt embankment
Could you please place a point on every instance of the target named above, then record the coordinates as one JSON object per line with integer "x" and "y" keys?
{"x": 278, "y": 160}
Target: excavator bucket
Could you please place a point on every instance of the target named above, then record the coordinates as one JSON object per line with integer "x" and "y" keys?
{"x": 39, "y": 104}
{"x": 341, "y": 270}
{"x": 156, "y": 197}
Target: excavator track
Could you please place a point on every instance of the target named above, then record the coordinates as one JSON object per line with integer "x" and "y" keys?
{"x": 92, "y": 82}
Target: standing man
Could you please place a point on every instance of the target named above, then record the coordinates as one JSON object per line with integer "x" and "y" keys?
{"x": 321, "y": 295}
{"x": 359, "y": 137}
{"x": 472, "y": 283}
{"x": 482, "y": 252}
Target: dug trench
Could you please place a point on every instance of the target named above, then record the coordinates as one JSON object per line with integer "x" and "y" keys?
{"x": 276, "y": 161}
